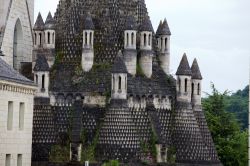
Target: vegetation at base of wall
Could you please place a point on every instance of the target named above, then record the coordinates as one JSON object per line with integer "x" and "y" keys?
{"x": 60, "y": 153}
{"x": 111, "y": 163}
{"x": 230, "y": 141}
{"x": 171, "y": 155}
{"x": 152, "y": 143}
{"x": 89, "y": 151}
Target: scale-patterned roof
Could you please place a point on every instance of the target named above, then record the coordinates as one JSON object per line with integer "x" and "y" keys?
{"x": 7, "y": 73}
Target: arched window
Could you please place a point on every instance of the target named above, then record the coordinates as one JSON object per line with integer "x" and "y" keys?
{"x": 86, "y": 38}
{"x": 53, "y": 38}
{"x": 166, "y": 43}
{"x": 113, "y": 81}
{"x": 161, "y": 42}
{"x": 198, "y": 89}
{"x": 43, "y": 81}
{"x": 40, "y": 39}
{"x": 48, "y": 37}
{"x": 179, "y": 80}
{"x": 127, "y": 40}
{"x": 132, "y": 38}
{"x": 35, "y": 39}
{"x": 149, "y": 40}
{"x": 36, "y": 79}
{"x": 120, "y": 82}
{"x": 90, "y": 38}
{"x": 192, "y": 89}
{"x": 145, "y": 39}
{"x": 186, "y": 81}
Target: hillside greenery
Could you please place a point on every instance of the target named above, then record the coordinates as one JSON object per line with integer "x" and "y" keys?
{"x": 224, "y": 114}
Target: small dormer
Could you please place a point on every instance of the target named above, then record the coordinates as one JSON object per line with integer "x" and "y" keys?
{"x": 50, "y": 33}
{"x": 119, "y": 78}
{"x": 38, "y": 32}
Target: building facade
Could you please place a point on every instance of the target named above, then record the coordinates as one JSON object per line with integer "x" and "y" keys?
{"x": 16, "y": 101}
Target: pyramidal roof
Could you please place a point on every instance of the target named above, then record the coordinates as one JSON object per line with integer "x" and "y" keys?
{"x": 50, "y": 22}
{"x": 130, "y": 23}
{"x": 146, "y": 25}
{"x": 184, "y": 68}
{"x": 196, "y": 74}
{"x": 88, "y": 22}
{"x": 164, "y": 30}
{"x": 7, "y": 73}
{"x": 159, "y": 28}
{"x": 39, "y": 25}
{"x": 41, "y": 63}
{"x": 119, "y": 65}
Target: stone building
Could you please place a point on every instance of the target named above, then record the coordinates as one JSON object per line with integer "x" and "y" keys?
{"x": 16, "y": 110}
{"x": 16, "y": 41}
{"x": 105, "y": 91}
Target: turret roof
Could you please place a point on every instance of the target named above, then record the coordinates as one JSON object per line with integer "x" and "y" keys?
{"x": 119, "y": 65}
{"x": 146, "y": 25}
{"x": 39, "y": 25}
{"x": 130, "y": 23}
{"x": 184, "y": 68}
{"x": 50, "y": 22}
{"x": 41, "y": 63}
{"x": 88, "y": 22}
{"x": 159, "y": 28}
{"x": 196, "y": 74}
{"x": 164, "y": 28}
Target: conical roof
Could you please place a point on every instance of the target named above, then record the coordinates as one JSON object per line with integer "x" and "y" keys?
{"x": 196, "y": 74}
{"x": 39, "y": 25}
{"x": 159, "y": 28}
{"x": 119, "y": 65}
{"x": 146, "y": 25}
{"x": 41, "y": 63}
{"x": 130, "y": 23}
{"x": 50, "y": 22}
{"x": 184, "y": 68}
{"x": 164, "y": 29}
{"x": 88, "y": 22}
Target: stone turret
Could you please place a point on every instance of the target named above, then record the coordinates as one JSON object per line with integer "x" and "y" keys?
{"x": 163, "y": 40}
{"x": 183, "y": 87}
{"x": 38, "y": 30}
{"x": 50, "y": 34}
{"x": 146, "y": 32}
{"x": 196, "y": 84}
{"x": 41, "y": 76}
{"x": 119, "y": 78}
{"x": 88, "y": 43}
{"x": 130, "y": 53}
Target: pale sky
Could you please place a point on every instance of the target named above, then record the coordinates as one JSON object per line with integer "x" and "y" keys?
{"x": 216, "y": 32}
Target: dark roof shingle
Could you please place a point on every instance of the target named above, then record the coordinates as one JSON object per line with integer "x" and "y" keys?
{"x": 41, "y": 63}
{"x": 7, "y": 73}
{"x": 39, "y": 25}
{"x": 184, "y": 68}
{"x": 88, "y": 22}
{"x": 196, "y": 74}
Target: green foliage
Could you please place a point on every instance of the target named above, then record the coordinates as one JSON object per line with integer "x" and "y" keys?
{"x": 153, "y": 142}
{"x": 230, "y": 141}
{"x": 237, "y": 103}
{"x": 60, "y": 154}
{"x": 111, "y": 163}
{"x": 88, "y": 151}
{"x": 171, "y": 157}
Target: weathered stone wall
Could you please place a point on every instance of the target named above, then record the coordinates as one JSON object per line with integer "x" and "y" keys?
{"x": 17, "y": 10}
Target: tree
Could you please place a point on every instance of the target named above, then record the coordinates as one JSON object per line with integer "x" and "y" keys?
{"x": 231, "y": 143}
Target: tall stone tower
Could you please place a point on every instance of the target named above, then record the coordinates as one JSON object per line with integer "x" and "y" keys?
{"x": 16, "y": 20}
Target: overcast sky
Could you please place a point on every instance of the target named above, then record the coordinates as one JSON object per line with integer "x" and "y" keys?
{"x": 216, "y": 32}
